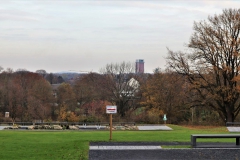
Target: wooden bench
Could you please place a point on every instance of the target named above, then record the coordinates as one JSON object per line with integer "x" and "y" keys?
{"x": 195, "y": 136}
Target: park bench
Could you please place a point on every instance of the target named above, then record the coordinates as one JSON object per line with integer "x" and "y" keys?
{"x": 195, "y": 136}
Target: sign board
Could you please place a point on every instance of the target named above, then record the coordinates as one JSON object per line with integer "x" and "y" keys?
{"x": 111, "y": 109}
{"x": 6, "y": 114}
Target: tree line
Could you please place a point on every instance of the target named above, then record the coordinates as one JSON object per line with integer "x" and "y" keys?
{"x": 140, "y": 98}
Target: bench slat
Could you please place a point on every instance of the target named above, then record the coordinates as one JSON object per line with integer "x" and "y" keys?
{"x": 216, "y": 135}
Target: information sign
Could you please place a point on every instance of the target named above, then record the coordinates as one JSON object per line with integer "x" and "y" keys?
{"x": 111, "y": 109}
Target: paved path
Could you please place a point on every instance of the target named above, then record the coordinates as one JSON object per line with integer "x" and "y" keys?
{"x": 124, "y": 147}
{"x": 165, "y": 154}
{"x": 2, "y": 127}
{"x": 154, "y": 151}
{"x": 233, "y": 129}
{"x": 160, "y": 127}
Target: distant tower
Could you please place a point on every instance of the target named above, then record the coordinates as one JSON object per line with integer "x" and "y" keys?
{"x": 139, "y": 66}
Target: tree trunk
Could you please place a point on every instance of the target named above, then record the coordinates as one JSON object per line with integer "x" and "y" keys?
{"x": 230, "y": 114}
{"x": 230, "y": 117}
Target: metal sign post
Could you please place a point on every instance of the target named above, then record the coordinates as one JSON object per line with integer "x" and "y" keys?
{"x": 111, "y": 110}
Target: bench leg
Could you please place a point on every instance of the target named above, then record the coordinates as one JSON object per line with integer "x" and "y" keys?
{"x": 237, "y": 141}
{"x": 193, "y": 141}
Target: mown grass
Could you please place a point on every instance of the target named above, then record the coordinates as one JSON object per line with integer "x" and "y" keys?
{"x": 75, "y": 144}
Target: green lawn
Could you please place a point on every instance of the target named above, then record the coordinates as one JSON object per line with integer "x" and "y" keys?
{"x": 74, "y": 144}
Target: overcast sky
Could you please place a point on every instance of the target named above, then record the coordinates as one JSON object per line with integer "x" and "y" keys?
{"x": 62, "y": 35}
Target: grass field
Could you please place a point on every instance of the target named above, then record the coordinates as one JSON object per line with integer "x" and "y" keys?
{"x": 16, "y": 144}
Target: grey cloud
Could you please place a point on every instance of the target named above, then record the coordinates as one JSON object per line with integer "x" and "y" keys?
{"x": 16, "y": 15}
{"x": 18, "y": 36}
{"x": 27, "y": 37}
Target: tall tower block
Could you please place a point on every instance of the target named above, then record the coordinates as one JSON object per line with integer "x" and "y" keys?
{"x": 139, "y": 66}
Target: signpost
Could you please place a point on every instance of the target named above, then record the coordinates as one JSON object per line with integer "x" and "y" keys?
{"x": 111, "y": 110}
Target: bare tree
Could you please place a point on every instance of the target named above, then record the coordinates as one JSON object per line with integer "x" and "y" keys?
{"x": 212, "y": 67}
{"x": 1, "y": 68}
{"x": 120, "y": 85}
{"x": 41, "y": 72}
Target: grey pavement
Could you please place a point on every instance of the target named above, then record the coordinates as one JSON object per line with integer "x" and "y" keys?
{"x": 233, "y": 129}
{"x": 145, "y": 127}
{"x": 2, "y": 127}
{"x": 124, "y": 147}
{"x": 158, "y": 127}
{"x": 166, "y": 154}
{"x": 92, "y": 127}
{"x": 120, "y": 151}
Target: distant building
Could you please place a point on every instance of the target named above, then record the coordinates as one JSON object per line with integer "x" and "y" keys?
{"x": 139, "y": 66}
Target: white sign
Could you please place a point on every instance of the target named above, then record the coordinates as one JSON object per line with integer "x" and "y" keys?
{"x": 111, "y": 109}
{"x": 6, "y": 114}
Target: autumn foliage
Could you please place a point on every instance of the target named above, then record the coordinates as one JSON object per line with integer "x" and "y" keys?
{"x": 25, "y": 95}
